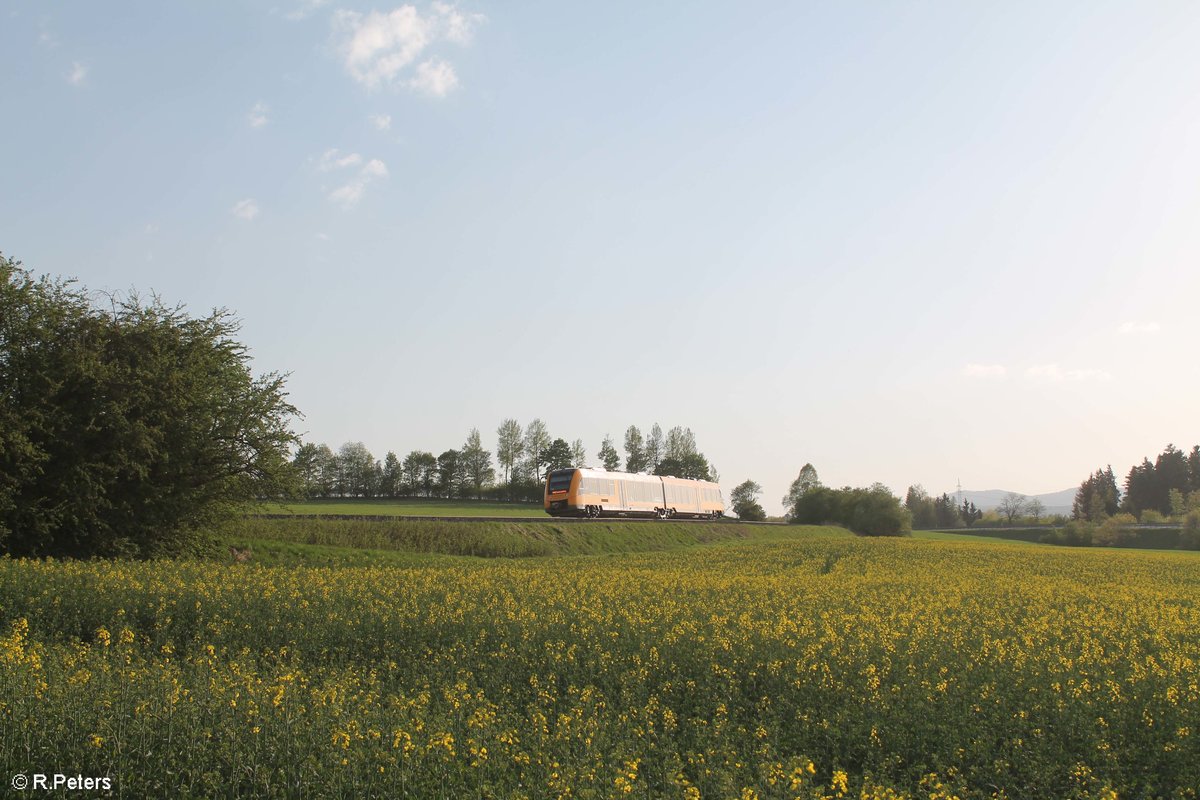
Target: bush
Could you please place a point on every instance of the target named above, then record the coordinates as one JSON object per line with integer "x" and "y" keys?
{"x": 1189, "y": 537}
{"x": 129, "y": 430}
{"x": 1076, "y": 533}
{"x": 868, "y": 512}
{"x": 1116, "y": 531}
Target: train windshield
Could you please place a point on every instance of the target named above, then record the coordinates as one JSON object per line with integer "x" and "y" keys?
{"x": 560, "y": 480}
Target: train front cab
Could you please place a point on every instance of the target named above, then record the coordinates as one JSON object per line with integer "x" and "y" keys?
{"x": 562, "y": 493}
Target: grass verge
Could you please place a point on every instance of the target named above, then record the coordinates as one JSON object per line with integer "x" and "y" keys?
{"x": 353, "y": 541}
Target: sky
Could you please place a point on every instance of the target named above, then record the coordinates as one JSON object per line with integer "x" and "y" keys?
{"x": 925, "y": 242}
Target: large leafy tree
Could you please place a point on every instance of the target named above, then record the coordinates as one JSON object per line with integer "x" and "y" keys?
{"x": 358, "y": 471}
{"x": 921, "y": 506}
{"x": 417, "y": 472}
{"x": 805, "y": 481}
{"x": 537, "y": 439}
{"x": 653, "y": 448}
{"x": 635, "y": 450}
{"x": 744, "y": 501}
{"x": 509, "y": 446}
{"x": 1012, "y": 506}
{"x": 130, "y": 429}
{"x": 450, "y": 473}
{"x": 389, "y": 483}
{"x": 690, "y": 465}
{"x": 608, "y": 454}
{"x": 476, "y": 463}
{"x": 1097, "y": 498}
{"x": 558, "y": 456}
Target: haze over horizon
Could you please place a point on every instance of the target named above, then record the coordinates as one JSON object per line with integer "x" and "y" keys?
{"x": 906, "y": 244}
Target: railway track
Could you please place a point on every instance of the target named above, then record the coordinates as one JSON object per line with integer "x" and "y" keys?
{"x": 544, "y": 518}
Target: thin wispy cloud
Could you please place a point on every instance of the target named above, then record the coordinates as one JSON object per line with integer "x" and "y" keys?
{"x": 305, "y": 10}
{"x": 334, "y": 159}
{"x": 382, "y": 122}
{"x": 380, "y": 48}
{"x": 77, "y": 75}
{"x": 245, "y": 209}
{"x": 1129, "y": 328}
{"x": 348, "y": 194}
{"x": 987, "y": 371}
{"x": 258, "y": 115}
{"x": 1054, "y": 373}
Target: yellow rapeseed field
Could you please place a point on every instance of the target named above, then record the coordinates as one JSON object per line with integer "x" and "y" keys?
{"x": 813, "y": 669}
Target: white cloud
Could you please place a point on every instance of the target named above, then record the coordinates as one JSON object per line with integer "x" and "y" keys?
{"x": 1139, "y": 327}
{"x": 305, "y": 9}
{"x": 378, "y": 47}
{"x": 382, "y": 122}
{"x": 245, "y": 209}
{"x": 258, "y": 115}
{"x": 435, "y": 78}
{"x": 1053, "y": 372}
{"x": 350, "y": 193}
{"x": 333, "y": 159}
{"x": 77, "y": 75}
{"x": 375, "y": 169}
{"x": 458, "y": 27}
{"x": 984, "y": 371}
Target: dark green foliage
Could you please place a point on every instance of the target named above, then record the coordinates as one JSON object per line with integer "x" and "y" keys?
{"x": 1189, "y": 537}
{"x": 945, "y": 512}
{"x": 920, "y": 506}
{"x": 744, "y": 502}
{"x": 558, "y": 455}
{"x": 476, "y": 464}
{"x": 870, "y": 512}
{"x": 1097, "y": 497}
{"x": 127, "y": 430}
{"x": 807, "y": 479}
{"x": 690, "y": 465}
{"x": 930, "y": 513}
{"x": 970, "y": 513}
{"x": 1149, "y": 486}
{"x": 608, "y": 455}
{"x": 635, "y": 450}
{"x": 450, "y": 474}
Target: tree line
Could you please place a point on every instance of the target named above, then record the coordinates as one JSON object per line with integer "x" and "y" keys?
{"x": 514, "y": 471}
{"x": 1168, "y": 487}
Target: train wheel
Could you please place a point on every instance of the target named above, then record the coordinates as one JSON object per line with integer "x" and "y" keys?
{"x": 593, "y": 511}
{"x": 661, "y": 513}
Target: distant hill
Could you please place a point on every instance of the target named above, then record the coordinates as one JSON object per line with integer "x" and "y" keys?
{"x": 988, "y": 499}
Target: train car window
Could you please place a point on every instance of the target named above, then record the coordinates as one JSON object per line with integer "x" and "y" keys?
{"x": 560, "y": 480}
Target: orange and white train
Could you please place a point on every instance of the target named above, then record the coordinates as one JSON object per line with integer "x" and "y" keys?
{"x": 598, "y": 492}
